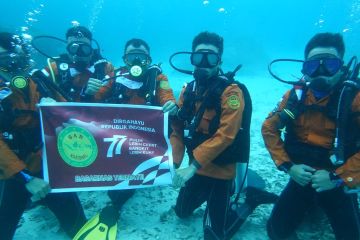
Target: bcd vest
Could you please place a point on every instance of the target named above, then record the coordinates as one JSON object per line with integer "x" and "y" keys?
{"x": 21, "y": 141}
{"x": 239, "y": 150}
{"x": 337, "y": 110}
{"x": 65, "y": 81}
{"x": 146, "y": 91}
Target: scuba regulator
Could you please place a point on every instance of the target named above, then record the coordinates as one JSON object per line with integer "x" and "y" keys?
{"x": 137, "y": 63}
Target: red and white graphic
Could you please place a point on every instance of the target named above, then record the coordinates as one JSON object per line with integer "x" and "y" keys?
{"x": 105, "y": 146}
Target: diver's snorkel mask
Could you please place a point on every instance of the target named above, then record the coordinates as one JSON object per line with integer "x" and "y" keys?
{"x": 205, "y": 59}
{"x": 137, "y": 63}
{"x": 79, "y": 49}
{"x": 323, "y": 67}
{"x": 80, "y": 53}
{"x": 323, "y": 71}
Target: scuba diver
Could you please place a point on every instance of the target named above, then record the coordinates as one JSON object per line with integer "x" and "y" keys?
{"x": 20, "y": 146}
{"x": 320, "y": 121}
{"x": 140, "y": 83}
{"x": 213, "y": 123}
{"x": 81, "y": 72}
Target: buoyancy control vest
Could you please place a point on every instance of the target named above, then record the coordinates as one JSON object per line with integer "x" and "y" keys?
{"x": 21, "y": 140}
{"x": 147, "y": 90}
{"x": 338, "y": 110}
{"x": 239, "y": 150}
{"x": 64, "y": 78}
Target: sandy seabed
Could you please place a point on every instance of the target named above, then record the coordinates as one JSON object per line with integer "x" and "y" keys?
{"x": 149, "y": 214}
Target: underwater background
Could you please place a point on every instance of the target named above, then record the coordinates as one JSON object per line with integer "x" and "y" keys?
{"x": 255, "y": 32}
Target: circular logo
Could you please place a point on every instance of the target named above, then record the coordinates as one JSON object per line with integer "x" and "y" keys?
{"x": 64, "y": 66}
{"x": 77, "y": 146}
{"x": 135, "y": 71}
{"x": 233, "y": 102}
{"x": 19, "y": 82}
{"x": 164, "y": 85}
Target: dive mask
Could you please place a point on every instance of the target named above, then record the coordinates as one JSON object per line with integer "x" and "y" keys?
{"x": 137, "y": 58}
{"x": 137, "y": 62}
{"x": 79, "y": 49}
{"x": 204, "y": 59}
{"x": 327, "y": 66}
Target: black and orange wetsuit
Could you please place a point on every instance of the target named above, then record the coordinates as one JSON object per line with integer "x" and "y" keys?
{"x": 212, "y": 182}
{"x": 20, "y": 150}
{"x": 309, "y": 140}
{"x": 20, "y": 109}
{"x": 125, "y": 90}
{"x": 74, "y": 82}
{"x": 205, "y": 153}
{"x": 134, "y": 90}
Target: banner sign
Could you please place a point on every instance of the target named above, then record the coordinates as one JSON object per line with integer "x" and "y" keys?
{"x": 105, "y": 146}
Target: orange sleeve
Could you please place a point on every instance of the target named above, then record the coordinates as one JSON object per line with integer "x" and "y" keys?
{"x": 10, "y": 164}
{"x": 177, "y": 135}
{"x": 9, "y": 161}
{"x": 272, "y": 135}
{"x": 165, "y": 93}
{"x": 350, "y": 171}
{"x": 105, "y": 91}
{"x": 230, "y": 123}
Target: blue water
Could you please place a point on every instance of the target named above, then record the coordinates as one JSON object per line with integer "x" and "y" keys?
{"x": 255, "y": 31}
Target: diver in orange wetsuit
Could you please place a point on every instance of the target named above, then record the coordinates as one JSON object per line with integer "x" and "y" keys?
{"x": 309, "y": 153}
{"x": 20, "y": 146}
{"x": 141, "y": 83}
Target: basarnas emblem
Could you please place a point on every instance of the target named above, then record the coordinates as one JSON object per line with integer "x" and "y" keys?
{"x": 77, "y": 146}
{"x": 233, "y": 102}
{"x": 164, "y": 85}
{"x": 19, "y": 82}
